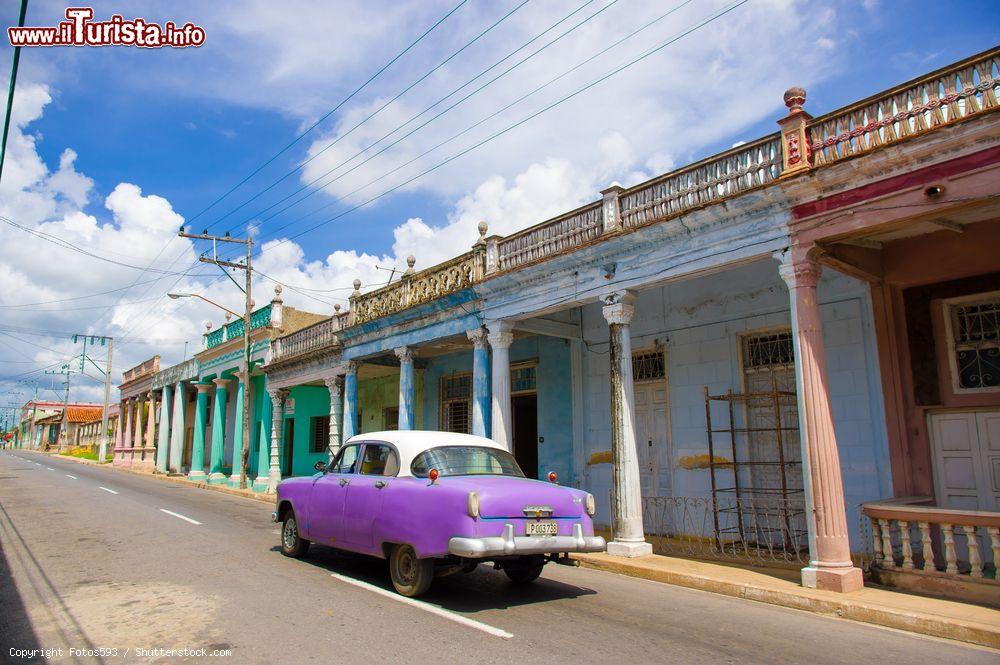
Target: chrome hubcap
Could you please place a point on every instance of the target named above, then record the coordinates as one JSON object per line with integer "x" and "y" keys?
{"x": 290, "y": 533}
{"x": 407, "y": 566}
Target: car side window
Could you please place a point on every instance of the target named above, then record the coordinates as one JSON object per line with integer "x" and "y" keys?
{"x": 379, "y": 460}
{"x": 347, "y": 460}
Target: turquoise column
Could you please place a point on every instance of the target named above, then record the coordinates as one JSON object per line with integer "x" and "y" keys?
{"x": 264, "y": 444}
{"x": 177, "y": 428}
{"x": 480, "y": 383}
{"x": 234, "y": 478}
{"x": 163, "y": 441}
{"x": 198, "y": 444}
{"x": 351, "y": 401}
{"x": 405, "y": 355}
{"x": 215, "y": 475}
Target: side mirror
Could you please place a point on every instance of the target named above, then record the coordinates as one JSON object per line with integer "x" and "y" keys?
{"x": 321, "y": 466}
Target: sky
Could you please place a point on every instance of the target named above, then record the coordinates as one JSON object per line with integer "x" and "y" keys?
{"x": 486, "y": 115}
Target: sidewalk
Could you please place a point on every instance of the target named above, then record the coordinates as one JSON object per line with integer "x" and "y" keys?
{"x": 892, "y": 609}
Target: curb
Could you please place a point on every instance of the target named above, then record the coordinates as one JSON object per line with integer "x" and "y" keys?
{"x": 178, "y": 479}
{"x": 982, "y": 634}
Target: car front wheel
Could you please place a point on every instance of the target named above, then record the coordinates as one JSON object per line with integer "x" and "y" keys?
{"x": 411, "y": 576}
{"x": 292, "y": 544}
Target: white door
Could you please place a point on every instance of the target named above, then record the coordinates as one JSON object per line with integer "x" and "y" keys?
{"x": 967, "y": 459}
{"x": 650, "y": 433}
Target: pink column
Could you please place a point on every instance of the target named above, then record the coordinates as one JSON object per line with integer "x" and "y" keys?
{"x": 118, "y": 435}
{"x": 135, "y": 454}
{"x": 126, "y": 434}
{"x": 830, "y": 566}
{"x": 149, "y": 449}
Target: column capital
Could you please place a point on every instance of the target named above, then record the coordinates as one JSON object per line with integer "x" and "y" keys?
{"x": 404, "y": 353}
{"x": 500, "y": 334}
{"x": 278, "y": 395}
{"x": 477, "y": 337}
{"x": 222, "y": 384}
{"x": 619, "y": 307}
{"x": 335, "y": 384}
{"x": 801, "y": 272}
{"x": 203, "y": 388}
{"x": 351, "y": 367}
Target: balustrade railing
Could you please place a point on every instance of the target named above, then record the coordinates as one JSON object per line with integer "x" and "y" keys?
{"x": 943, "y": 97}
{"x": 258, "y": 319}
{"x": 555, "y": 236}
{"x": 311, "y": 338}
{"x": 708, "y": 181}
{"x": 420, "y": 287}
{"x": 150, "y": 366}
{"x": 926, "y": 540}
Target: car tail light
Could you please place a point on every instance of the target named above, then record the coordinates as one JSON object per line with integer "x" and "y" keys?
{"x": 473, "y": 505}
{"x": 553, "y": 477}
{"x": 590, "y": 505}
{"x": 433, "y": 475}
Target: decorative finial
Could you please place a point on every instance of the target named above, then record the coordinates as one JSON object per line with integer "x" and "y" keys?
{"x": 357, "y": 287}
{"x": 795, "y": 97}
{"x": 277, "y": 290}
{"x": 336, "y": 308}
{"x": 208, "y": 326}
{"x": 411, "y": 261}
{"x": 229, "y": 317}
{"x": 483, "y": 228}
{"x": 253, "y": 303}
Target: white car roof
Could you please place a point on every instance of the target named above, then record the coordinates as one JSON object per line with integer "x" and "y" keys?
{"x": 411, "y": 443}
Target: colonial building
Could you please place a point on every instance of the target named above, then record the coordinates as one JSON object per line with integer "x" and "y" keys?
{"x": 88, "y": 434}
{"x": 61, "y": 430}
{"x": 36, "y": 435}
{"x": 135, "y": 442}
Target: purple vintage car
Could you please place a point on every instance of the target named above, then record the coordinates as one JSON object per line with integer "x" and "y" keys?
{"x": 433, "y": 504}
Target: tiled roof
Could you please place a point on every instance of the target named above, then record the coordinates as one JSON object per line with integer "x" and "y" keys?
{"x": 84, "y": 414}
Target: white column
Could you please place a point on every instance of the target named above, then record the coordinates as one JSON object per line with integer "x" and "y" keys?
{"x": 629, "y": 540}
{"x": 278, "y": 396}
{"x": 335, "y": 384}
{"x": 500, "y": 337}
{"x": 406, "y": 387}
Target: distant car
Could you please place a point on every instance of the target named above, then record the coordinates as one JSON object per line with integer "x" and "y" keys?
{"x": 434, "y": 504}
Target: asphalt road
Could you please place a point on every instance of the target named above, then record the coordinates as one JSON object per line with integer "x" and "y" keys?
{"x": 97, "y": 562}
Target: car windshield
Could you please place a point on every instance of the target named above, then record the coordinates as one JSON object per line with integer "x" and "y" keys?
{"x": 466, "y": 461}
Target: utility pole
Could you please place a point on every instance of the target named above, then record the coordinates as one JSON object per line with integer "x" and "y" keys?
{"x": 248, "y": 310}
{"x": 10, "y": 88}
{"x": 67, "y": 372}
{"x": 110, "y": 343}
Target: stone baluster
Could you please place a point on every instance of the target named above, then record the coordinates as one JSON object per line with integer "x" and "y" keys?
{"x": 877, "y": 542}
{"x": 889, "y": 557}
{"x": 904, "y": 539}
{"x": 975, "y": 558}
{"x": 995, "y": 546}
{"x": 925, "y": 541}
{"x": 278, "y": 397}
{"x": 951, "y": 562}
{"x": 406, "y": 387}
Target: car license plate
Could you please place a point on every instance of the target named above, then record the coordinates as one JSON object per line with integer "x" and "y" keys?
{"x": 541, "y": 529}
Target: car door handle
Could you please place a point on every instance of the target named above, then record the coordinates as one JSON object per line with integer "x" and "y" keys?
{"x": 344, "y": 481}
{"x": 379, "y": 484}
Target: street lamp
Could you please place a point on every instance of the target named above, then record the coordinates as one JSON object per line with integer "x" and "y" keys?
{"x": 175, "y": 296}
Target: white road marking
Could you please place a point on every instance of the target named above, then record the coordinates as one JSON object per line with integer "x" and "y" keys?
{"x": 73, "y": 477}
{"x": 50, "y": 468}
{"x": 433, "y": 609}
{"x": 106, "y": 489}
{"x": 178, "y": 515}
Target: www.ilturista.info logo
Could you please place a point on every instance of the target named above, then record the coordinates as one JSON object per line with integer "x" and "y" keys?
{"x": 80, "y": 30}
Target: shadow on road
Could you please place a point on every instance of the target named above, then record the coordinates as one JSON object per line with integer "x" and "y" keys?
{"x": 16, "y": 631}
{"x": 482, "y": 589}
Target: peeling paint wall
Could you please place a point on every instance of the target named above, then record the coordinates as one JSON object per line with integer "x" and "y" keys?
{"x": 377, "y": 394}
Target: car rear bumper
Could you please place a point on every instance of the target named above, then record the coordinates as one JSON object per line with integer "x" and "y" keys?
{"x": 510, "y": 545}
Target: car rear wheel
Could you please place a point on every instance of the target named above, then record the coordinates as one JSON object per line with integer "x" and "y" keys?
{"x": 292, "y": 544}
{"x": 525, "y": 571}
{"x": 411, "y": 576}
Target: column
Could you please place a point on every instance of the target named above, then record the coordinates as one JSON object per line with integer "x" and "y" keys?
{"x": 197, "y": 471}
{"x": 163, "y": 442}
{"x": 215, "y": 475}
{"x": 830, "y": 565}
{"x": 134, "y": 455}
{"x": 149, "y": 447}
{"x": 500, "y": 338}
{"x": 118, "y": 435}
{"x": 480, "y": 382}
{"x": 629, "y": 540}
{"x": 175, "y": 459}
{"x": 335, "y": 385}
{"x": 350, "y": 401}
{"x": 234, "y": 477}
{"x": 264, "y": 445}
{"x": 405, "y": 355}
{"x": 278, "y": 396}
{"x": 127, "y": 433}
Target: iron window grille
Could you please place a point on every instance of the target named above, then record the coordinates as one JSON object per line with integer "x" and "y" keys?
{"x": 390, "y": 418}
{"x": 648, "y": 366}
{"x": 456, "y": 403}
{"x": 975, "y": 342}
{"x": 764, "y": 352}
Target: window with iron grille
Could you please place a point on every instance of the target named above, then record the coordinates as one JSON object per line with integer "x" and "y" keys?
{"x": 765, "y": 351}
{"x": 648, "y": 366}
{"x": 319, "y": 433}
{"x": 390, "y": 418}
{"x": 975, "y": 341}
{"x": 456, "y": 403}
{"x": 523, "y": 378}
